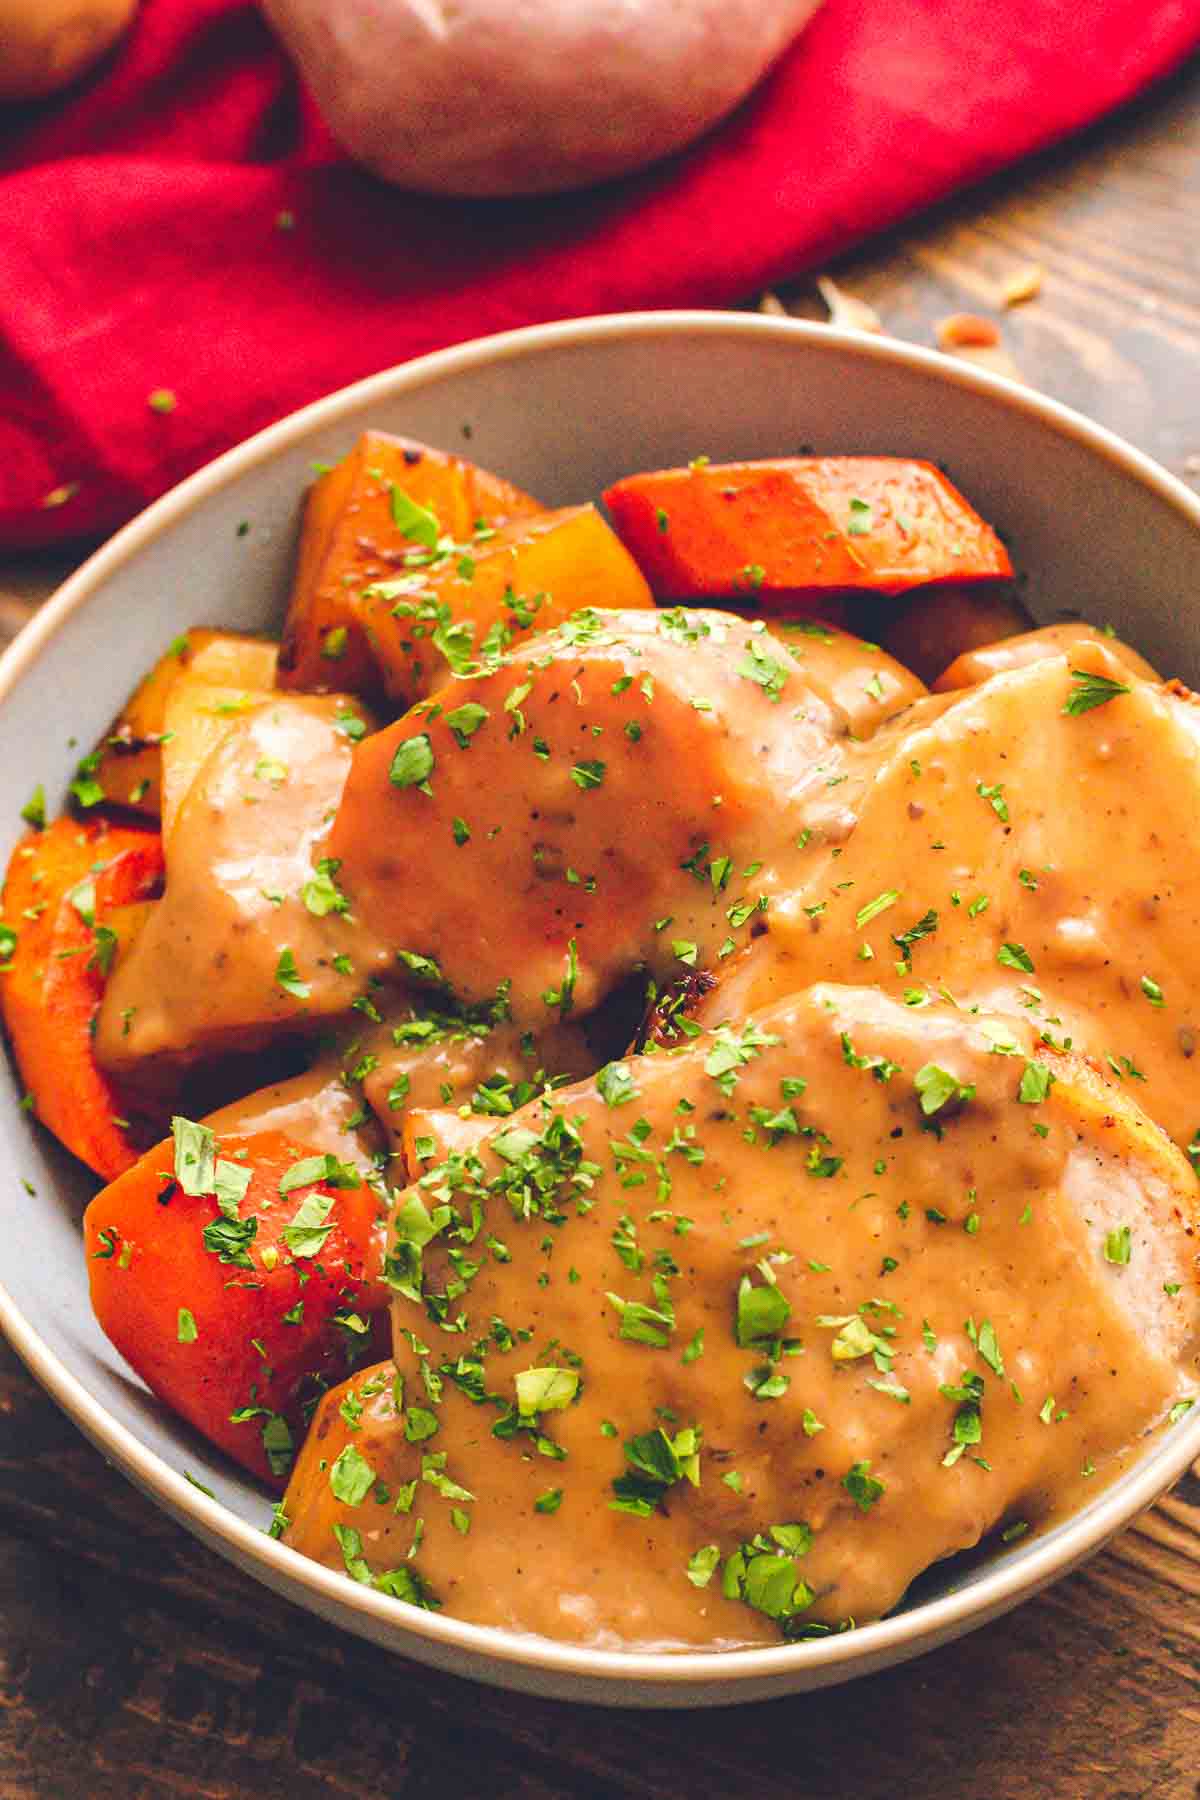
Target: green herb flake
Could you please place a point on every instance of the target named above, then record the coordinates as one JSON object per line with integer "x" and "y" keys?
{"x": 587, "y": 775}
{"x": 465, "y": 721}
{"x": 863, "y": 1487}
{"x": 195, "y": 1157}
{"x": 417, "y": 523}
{"x": 873, "y": 908}
{"x": 1091, "y": 691}
{"x": 351, "y": 1476}
{"x": 412, "y": 764}
{"x": 1118, "y": 1245}
{"x": 702, "y": 1565}
{"x": 287, "y": 976}
{"x": 308, "y": 1230}
{"x": 1036, "y": 1082}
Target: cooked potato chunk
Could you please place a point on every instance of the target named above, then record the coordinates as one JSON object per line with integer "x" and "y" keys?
{"x": 129, "y": 756}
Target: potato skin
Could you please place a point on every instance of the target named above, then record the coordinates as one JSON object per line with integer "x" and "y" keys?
{"x": 489, "y": 98}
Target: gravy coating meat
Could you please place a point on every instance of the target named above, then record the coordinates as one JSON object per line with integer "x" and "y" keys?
{"x": 1022, "y": 845}
{"x": 722, "y": 1136}
{"x": 746, "y": 1335}
{"x": 587, "y": 808}
{"x": 251, "y": 937}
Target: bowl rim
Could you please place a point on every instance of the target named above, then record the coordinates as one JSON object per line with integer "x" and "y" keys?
{"x": 329, "y": 1591}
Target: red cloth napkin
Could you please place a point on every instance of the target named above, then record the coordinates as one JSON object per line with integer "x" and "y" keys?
{"x": 184, "y": 222}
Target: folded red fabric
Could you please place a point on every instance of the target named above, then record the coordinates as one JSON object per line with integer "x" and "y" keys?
{"x": 184, "y": 227}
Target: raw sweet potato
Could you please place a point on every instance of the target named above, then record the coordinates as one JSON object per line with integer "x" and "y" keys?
{"x": 127, "y": 763}
{"x": 777, "y": 532}
{"x": 74, "y": 897}
{"x": 357, "y": 526}
{"x": 239, "y": 1276}
{"x": 529, "y": 576}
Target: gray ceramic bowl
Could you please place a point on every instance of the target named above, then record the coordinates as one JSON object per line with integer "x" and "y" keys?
{"x": 562, "y": 410}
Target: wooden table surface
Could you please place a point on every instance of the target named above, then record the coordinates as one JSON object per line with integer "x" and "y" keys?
{"x": 133, "y": 1663}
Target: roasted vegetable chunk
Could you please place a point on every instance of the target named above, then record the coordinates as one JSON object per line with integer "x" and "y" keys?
{"x": 359, "y": 521}
{"x": 128, "y": 760}
{"x": 770, "y": 533}
{"x": 73, "y": 901}
{"x": 457, "y": 608}
{"x": 238, "y": 1275}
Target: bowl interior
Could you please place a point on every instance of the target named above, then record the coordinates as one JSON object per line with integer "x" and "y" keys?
{"x": 561, "y": 411}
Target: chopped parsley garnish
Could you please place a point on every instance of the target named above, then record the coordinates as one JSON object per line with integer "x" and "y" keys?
{"x": 351, "y": 1476}
{"x": 412, "y": 764}
{"x": 287, "y": 976}
{"x": 615, "y": 1084}
{"x": 937, "y": 1087}
{"x": 465, "y": 721}
{"x": 762, "y": 1313}
{"x": 1036, "y": 1082}
{"x": 1118, "y": 1245}
{"x": 863, "y": 1487}
{"x": 655, "y": 1463}
{"x": 873, "y": 908}
{"x": 925, "y": 926}
{"x": 417, "y": 523}
{"x": 545, "y": 1390}
{"x": 1090, "y": 691}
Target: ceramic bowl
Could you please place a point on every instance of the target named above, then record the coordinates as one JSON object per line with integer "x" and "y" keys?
{"x": 562, "y": 410}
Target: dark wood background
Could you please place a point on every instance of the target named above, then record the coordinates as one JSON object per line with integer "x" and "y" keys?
{"x": 133, "y": 1663}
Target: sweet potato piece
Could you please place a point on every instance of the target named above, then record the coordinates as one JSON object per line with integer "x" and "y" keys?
{"x": 529, "y": 576}
{"x": 66, "y": 888}
{"x": 243, "y": 1308}
{"x": 771, "y": 532}
{"x": 352, "y": 534}
{"x": 129, "y": 755}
